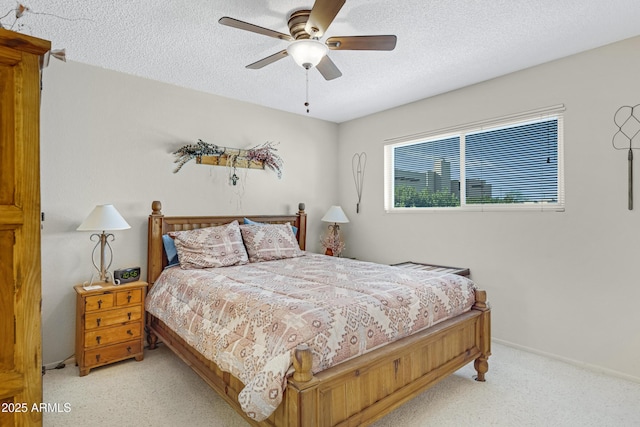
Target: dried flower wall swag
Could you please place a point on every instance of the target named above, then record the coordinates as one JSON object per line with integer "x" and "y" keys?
{"x": 261, "y": 156}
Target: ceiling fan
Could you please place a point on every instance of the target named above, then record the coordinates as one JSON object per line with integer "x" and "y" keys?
{"x": 306, "y": 28}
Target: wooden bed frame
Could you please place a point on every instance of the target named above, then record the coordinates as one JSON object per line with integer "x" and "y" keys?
{"x": 353, "y": 393}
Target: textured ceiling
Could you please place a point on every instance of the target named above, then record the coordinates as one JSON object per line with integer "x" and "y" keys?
{"x": 442, "y": 44}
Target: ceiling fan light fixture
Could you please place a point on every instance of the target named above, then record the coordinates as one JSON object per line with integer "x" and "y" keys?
{"x": 307, "y": 52}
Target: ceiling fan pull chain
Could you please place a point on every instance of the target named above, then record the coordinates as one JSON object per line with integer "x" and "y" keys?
{"x": 306, "y": 104}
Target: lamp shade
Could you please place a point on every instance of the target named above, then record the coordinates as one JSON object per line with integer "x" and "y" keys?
{"x": 307, "y": 52}
{"x": 335, "y": 214}
{"x": 102, "y": 218}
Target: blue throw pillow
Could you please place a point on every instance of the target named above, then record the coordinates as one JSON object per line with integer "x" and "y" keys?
{"x": 170, "y": 250}
{"x": 250, "y": 222}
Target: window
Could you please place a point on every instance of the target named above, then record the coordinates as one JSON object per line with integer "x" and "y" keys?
{"x": 511, "y": 163}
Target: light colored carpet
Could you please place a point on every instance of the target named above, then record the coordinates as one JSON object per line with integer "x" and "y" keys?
{"x": 522, "y": 389}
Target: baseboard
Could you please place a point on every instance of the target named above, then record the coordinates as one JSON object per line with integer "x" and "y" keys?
{"x": 587, "y": 366}
{"x": 594, "y": 368}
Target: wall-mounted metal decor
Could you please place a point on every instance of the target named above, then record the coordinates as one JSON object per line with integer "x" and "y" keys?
{"x": 358, "y": 164}
{"x": 627, "y": 119}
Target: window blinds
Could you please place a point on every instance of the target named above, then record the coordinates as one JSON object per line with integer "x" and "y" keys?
{"x": 509, "y": 163}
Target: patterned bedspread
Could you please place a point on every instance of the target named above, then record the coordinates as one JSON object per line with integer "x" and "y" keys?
{"x": 248, "y": 319}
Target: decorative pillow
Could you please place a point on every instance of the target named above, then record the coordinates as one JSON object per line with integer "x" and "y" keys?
{"x": 270, "y": 241}
{"x": 251, "y": 222}
{"x": 219, "y": 246}
{"x": 170, "y": 250}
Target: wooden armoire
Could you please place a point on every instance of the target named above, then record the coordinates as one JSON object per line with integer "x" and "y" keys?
{"x": 20, "y": 277}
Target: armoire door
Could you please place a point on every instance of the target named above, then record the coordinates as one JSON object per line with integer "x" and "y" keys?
{"x": 20, "y": 277}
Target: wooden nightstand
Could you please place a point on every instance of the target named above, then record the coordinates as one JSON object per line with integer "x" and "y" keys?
{"x": 109, "y": 324}
{"x": 461, "y": 271}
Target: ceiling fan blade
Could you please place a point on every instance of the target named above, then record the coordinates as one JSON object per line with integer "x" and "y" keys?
{"x": 322, "y": 15}
{"x": 268, "y": 60}
{"x": 328, "y": 69}
{"x": 362, "y": 43}
{"x": 231, "y": 22}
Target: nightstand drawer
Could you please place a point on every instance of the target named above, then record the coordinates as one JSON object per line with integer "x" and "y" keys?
{"x": 133, "y": 296}
{"x": 112, "y": 317}
{"x": 98, "y": 302}
{"x": 112, "y": 335}
{"x": 112, "y": 353}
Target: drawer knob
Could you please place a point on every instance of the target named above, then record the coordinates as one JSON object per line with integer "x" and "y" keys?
{"x": 129, "y": 332}
{"x": 98, "y": 321}
{"x": 99, "y": 303}
{"x": 98, "y": 339}
{"x": 129, "y": 298}
{"x": 129, "y": 349}
{"x": 97, "y": 358}
{"x": 129, "y": 315}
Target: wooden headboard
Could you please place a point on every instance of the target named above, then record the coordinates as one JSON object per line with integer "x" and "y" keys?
{"x": 160, "y": 224}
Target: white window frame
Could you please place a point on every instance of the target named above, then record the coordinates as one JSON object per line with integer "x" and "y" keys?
{"x": 554, "y": 112}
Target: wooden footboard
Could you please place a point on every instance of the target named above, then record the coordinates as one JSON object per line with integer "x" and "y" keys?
{"x": 353, "y": 393}
{"x": 364, "y": 389}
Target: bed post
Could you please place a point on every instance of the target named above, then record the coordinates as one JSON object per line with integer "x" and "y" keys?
{"x": 302, "y": 227}
{"x": 154, "y": 243}
{"x": 481, "y": 364}
{"x": 154, "y": 258}
{"x": 302, "y": 362}
{"x": 303, "y": 398}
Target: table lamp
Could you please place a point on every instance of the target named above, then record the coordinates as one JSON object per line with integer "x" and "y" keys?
{"x": 333, "y": 242}
{"x": 103, "y": 218}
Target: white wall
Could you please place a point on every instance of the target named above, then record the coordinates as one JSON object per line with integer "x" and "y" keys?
{"x": 559, "y": 283}
{"x": 107, "y": 137}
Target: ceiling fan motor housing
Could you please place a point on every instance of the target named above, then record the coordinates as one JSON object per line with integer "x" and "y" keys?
{"x": 297, "y": 23}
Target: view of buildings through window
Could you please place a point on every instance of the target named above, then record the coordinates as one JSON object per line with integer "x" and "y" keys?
{"x": 516, "y": 164}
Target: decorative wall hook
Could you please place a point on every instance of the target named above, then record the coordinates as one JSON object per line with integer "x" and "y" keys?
{"x": 234, "y": 178}
{"x": 627, "y": 119}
